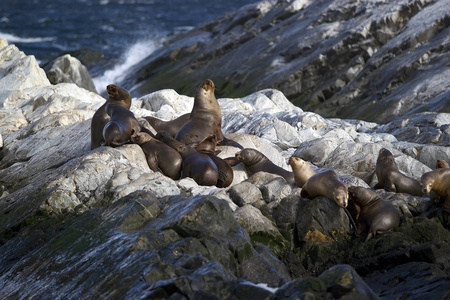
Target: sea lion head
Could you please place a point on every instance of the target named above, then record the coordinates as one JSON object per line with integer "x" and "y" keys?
{"x": 140, "y": 138}
{"x": 208, "y": 85}
{"x": 440, "y": 163}
{"x": 427, "y": 181}
{"x": 248, "y": 156}
{"x": 207, "y": 145}
{"x": 296, "y": 162}
{"x": 116, "y": 93}
{"x": 385, "y": 155}
{"x": 340, "y": 196}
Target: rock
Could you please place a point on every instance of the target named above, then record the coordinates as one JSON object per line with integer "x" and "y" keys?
{"x": 339, "y": 59}
{"x": 70, "y": 70}
{"x": 101, "y": 224}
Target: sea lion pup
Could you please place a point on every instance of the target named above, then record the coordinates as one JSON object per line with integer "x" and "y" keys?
{"x": 208, "y": 147}
{"x": 255, "y": 161}
{"x": 120, "y": 127}
{"x": 374, "y": 215}
{"x": 302, "y": 171}
{"x": 117, "y": 96}
{"x": 391, "y": 179}
{"x": 438, "y": 181}
{"x": 172, "y": 126}
{"x": 196, "y": 165}
{"x": 205, "y": 119}
{"x": 326, "y": 184}
{"x": 160, "y": 157}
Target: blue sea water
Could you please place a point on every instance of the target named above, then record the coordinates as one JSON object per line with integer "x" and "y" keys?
{"x": 124, "y": 31}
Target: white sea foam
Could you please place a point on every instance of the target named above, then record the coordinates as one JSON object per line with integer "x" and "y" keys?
{"x": 16, "y": 39}
{"x": 131, "y": 57}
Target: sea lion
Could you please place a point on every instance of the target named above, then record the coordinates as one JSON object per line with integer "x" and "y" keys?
{"x": 172, "y": 126}
{"x": 208, "y": 147}
{"x": 205, "y": 119}
{"x": 196, "y": 165}
{"x": 302, "y": 171}
{"x": 120, "y": 127}
{"x": 117, "y": 96}
{"x": 374, "y": 215}
{"x": 326, "y": 184}
{"x": 440, "y": 163}
{"x": 438, "y": 181}
{"x": 391, "y": 179}
{"x": 255, "y": 161}
{"x": 160, "y": 157}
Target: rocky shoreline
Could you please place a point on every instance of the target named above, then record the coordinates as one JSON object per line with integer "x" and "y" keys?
{"x": 77, "y": 223}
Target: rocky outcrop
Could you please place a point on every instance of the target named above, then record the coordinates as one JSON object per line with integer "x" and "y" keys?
{"x": 70, "y": 70}
{"x": 369, "y": 60}
{"x": 100, "y": 224}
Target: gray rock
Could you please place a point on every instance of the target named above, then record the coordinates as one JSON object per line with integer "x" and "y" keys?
{"x": 338, "y": 59}
{"x": 245, "y": 193}
{"x": 70, "y": 70}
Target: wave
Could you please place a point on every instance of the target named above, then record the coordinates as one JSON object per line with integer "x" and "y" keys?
{"x": 131, "y": 57}
{"x": 16, "y": 39}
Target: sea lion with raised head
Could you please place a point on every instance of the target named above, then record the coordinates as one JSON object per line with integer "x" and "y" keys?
{"x": 374, "y": 215}
{"x": 196, "y": 165}
{"x": 172, "y": 126}
{"x": 117, "y": 96}
{"x": 120, "y": 127}
{"x": 160, "y": 157}
{"x": 302, "y": 171}
{"x": 205, "y": 119}
{"x": 208, "y": 147}
{"x": 391, "y": 179}
{"x": 438, "y": 181}
{"x": 326, "y": 183}
{"x": 255, "y": 161}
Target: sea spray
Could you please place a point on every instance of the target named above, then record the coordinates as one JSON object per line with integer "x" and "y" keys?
{"x": 131, "y": 57}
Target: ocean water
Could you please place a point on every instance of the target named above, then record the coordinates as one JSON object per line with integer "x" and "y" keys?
{"x": 123, "y": 31}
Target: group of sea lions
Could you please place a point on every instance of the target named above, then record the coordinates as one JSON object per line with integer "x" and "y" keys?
{"x": 186, "y": 147}
{"x": 183, "y": 147}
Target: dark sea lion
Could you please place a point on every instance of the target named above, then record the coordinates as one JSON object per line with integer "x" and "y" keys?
{"x": 120, "y": 127}
{"x": 205, "y": 119}
{"x": 255, "y": 161}
{"x": 160, "y": 157}
{"x": 374, "y": 215}
{"x": 438, "y": 181}
{"x": 326, "y": 184}
{"x": 391, "y": 179}
{"x": 208, "y": 147}
{"x": 117, "y": 96}
{"x": 196, "y": 165}
{"x": 302, "y": 171}
{"x": 172, "y": 126}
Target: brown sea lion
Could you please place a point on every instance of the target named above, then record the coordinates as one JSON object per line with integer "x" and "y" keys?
{"x": 391, "y": 179}
{"x": 120, "y": 127}
{"x": 196, "y": 165}
{"x": 255, "y": 161}
{"x": 205, "y": 119}
{"x": 172, "y": 126}
{"x": 160, "y": 157}
{"x": 374, "y": 215}
{"x": 326, "y": 184}
{"x": 438, "y": 181}
{"x": 208, "y": 147}
{"x": 302, "y": 171}
{"x": 440, "y": 163}
{"x": 117, "y": 96}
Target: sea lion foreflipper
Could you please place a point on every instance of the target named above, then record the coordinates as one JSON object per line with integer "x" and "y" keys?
{"x": 232, "y": 161}
{"x": 229, "y": 142}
